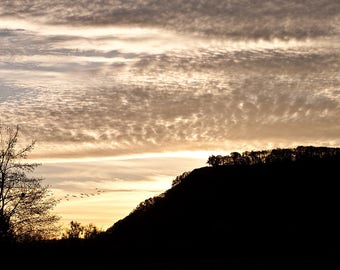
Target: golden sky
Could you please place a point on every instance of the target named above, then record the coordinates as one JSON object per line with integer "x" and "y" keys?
{"x": 123, "y": 96}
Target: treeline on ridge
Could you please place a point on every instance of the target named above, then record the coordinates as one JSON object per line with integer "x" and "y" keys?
{"x": 277, "y": 155}
{"x": 252, "y": 158}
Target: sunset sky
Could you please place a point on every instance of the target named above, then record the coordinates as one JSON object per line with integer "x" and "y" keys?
{"x": 124, "y": 95}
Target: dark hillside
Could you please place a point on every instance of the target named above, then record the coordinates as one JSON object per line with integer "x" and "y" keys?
{"x": 281, "y": 206}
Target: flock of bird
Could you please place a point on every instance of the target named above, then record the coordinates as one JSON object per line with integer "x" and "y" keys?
{"x": 82, "y": 195}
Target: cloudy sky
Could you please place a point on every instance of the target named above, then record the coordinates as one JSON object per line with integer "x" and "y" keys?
{"x": 124, "y": 95}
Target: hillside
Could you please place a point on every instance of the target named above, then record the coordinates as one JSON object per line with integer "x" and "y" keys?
{"x": 285, "y": 203}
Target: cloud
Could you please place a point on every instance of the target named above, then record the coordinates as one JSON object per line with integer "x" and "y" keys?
{"x": 82, "y": 88}
{"x": 169, "y": 103}
{"x": 242, "y": 19}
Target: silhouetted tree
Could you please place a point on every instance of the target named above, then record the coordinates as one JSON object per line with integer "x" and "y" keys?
{"x": 280, "y": 155}
{"x": 179, "y": 178}
{"x": 215, "y": 160}
{"x": 75, "y": 231}
{"x": 78, "y": 231}
{"x": 148, "y": 203}
{"x": 236, "y": 158}
{"x": 25, "y": 204}
{"x": 91, "y": 231}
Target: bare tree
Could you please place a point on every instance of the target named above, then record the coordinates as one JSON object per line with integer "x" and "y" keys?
{"x": 25, "y": 203}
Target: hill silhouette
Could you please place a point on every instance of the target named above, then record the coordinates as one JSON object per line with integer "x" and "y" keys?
{"x": 279, "y": 202}
{"x": 274, "y": 207}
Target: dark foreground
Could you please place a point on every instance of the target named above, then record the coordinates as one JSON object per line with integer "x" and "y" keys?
{"x": 77, "y": 255}
{"x": 242, "y": 263}
{"x": 269, "y": 209}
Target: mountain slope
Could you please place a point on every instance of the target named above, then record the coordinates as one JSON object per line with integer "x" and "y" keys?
{"x": 284, "y": 205}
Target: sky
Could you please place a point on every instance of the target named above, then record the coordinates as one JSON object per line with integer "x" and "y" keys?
{"x": 122, "y": 96}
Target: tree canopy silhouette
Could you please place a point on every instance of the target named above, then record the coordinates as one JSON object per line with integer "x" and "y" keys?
{"x": 277, "y": 155}
{"x": 25, "y": 203}
{"x": 77, "y": 231}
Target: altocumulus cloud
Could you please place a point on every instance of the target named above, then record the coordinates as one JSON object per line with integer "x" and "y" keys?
{"x": 120, "y": 77}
